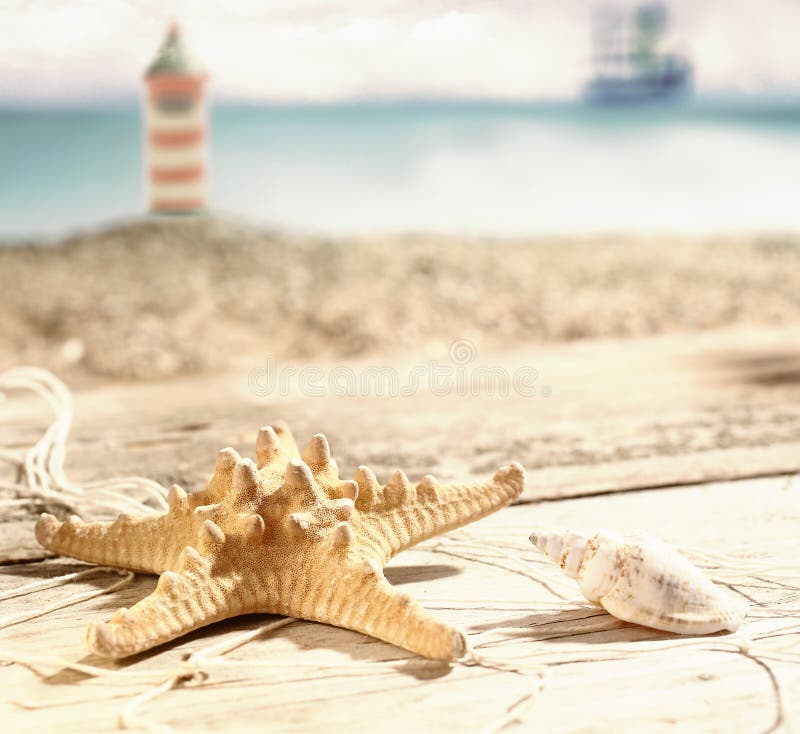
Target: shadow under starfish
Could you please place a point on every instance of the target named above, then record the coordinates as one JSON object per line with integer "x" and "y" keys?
{"x": 285, "y": 536}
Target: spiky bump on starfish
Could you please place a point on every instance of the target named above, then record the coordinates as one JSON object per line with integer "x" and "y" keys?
{"x": 285, "y": 536}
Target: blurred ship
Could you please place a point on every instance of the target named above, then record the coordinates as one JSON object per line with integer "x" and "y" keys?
{"x": 629, "y": 59}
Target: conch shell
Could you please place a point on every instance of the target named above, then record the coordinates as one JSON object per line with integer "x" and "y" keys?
{"x": 640, "y": 579}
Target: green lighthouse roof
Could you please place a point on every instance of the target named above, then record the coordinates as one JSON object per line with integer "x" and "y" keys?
{"x": 172, "y": 57}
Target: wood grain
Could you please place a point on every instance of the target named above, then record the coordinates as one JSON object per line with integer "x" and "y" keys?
{"x": 619, "y": 415}
{"x": 312, "y": 677}
{"x": 654, "y": 412}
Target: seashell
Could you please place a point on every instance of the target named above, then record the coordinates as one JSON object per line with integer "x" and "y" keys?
{"x": 638, "y": 578}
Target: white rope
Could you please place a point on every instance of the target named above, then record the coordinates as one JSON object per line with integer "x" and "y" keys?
{"x": 47, "y": 665}
{"x": 536, "y": 675}
{"x": 55, "y": 581}
{"x": 722, "y": 567}
{"x": 195, "y": 667}
{"x": 41, "y": 478}
{"x": 455, "y": 549}
{"x": 128, "y": 718}
{"x": 69, "y": 601}
{"x": 41, "y": 468}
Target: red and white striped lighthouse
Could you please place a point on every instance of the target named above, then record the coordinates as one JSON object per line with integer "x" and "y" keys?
{"x": 176, "y": 126}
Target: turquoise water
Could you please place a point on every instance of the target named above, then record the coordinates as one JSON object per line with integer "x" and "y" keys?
{"x": 484, "y": 169}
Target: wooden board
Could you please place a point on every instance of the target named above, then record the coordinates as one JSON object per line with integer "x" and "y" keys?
{"x": 618, "y": 415}
{"x": 604, "y": 675}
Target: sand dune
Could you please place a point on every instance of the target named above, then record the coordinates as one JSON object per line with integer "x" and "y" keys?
{"x": 155, "y": 298}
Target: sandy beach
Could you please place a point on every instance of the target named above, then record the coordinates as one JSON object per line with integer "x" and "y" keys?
{"x": 424, "y": 367}
{"x": 158, "y": 298}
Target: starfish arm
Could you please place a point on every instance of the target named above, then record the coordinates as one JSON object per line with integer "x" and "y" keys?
{"x": 180, "y": 603}
{"x": 361, "y": 599}
{"x": 284, "y": 535}
{"x": 431, "y": 508}
{"x": 137, "y": 543}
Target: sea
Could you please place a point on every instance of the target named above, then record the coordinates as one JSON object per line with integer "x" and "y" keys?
{"x": 490, "y": 169}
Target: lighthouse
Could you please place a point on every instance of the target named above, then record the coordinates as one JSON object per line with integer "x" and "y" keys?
{"x": 176, "y": 126}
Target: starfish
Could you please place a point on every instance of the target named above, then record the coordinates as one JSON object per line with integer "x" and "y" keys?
{"x": 281, "y": 536}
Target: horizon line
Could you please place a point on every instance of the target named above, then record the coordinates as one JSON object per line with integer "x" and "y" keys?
{"x": 130, "y": 101}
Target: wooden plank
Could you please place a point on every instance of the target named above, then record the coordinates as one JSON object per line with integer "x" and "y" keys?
{"x": 619, "y": 415}
{"x": 18, "y": 544}
{"x": 312, "y": 677}
{"x": 657, "y": 471}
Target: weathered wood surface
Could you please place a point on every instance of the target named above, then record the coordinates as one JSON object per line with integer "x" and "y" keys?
{"x": 621, "y": 415}
{"x": 310, "y": 677}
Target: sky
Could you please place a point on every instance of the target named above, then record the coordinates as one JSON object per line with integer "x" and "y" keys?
{"x": 316, "y": 51}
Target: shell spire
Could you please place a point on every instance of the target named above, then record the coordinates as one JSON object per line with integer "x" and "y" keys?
{"x": 564, "y": 548}
{"x": 640, "y": 579}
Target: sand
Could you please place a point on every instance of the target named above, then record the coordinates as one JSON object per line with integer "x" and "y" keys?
{"x": 156, "y": 298}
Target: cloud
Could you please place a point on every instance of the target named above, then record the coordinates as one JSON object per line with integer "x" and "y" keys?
{"x": 309, "y": 50}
